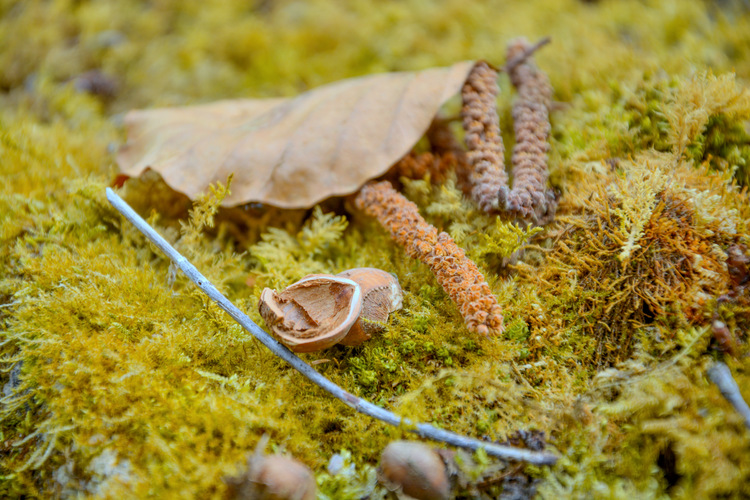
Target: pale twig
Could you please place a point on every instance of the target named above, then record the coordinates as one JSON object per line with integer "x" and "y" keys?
{"x": 360, "y": 405}
{"x": 721, "y": 376}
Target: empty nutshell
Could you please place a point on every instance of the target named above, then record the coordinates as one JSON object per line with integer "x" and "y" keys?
{"x": 321, "y": 310}
{"x": 415, "y": 469}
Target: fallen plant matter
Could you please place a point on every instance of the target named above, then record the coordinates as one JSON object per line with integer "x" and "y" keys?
{"x": 457, "y": 274}
{"x": 120, "y": 379}
{"x": 424, "y": 430}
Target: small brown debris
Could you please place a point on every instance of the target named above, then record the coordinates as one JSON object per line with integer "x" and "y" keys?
{"x": 414, "y": 469}
{"x": 724, "y": 337}
{"x": 531, "y": 439}
{"x": 417, "y": 166}
{"x": 96, "y": 83}
{"x": 738, "y": 266}
{"x": 273, "y": 477}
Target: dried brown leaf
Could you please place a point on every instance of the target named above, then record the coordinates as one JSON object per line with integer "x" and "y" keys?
{"x": 291, "y": 153}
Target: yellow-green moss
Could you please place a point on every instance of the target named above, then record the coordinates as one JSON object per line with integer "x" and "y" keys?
{"x": 120, "y": 380}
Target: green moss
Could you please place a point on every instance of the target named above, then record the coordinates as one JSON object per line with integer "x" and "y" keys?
{"x": 120, "y": 380}
{"x": 725, "y": 145}
{"x": 346, "y": 482}
{"x": 517, "y": 330}
{"x": 644, "y": 112}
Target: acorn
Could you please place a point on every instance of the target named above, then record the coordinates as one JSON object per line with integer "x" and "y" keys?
{"x": 414, "y": 469}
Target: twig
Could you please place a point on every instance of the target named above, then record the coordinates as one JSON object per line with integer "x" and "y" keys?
{"x": 360, "y": 405}
{"x": 721, "y": 376}
{"x": 515, "y": 61}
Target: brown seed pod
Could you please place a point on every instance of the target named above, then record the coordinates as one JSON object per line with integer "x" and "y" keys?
{"x": 415, "y": 469}
{"x": 321, "y": 310}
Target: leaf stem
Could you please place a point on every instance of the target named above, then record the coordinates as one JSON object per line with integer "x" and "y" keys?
{"x": 362, "y": 406}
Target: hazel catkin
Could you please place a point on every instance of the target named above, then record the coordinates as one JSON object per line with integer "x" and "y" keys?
{"x": 530, "y": 199}
{"x": 456, "y": 273}
{"x": 486, "y": 176}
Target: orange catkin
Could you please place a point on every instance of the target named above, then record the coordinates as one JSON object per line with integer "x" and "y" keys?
{"x": 457, "y": 274}
{"x": 417, "y": 165}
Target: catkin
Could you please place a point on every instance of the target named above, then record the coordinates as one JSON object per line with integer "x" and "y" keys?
{"x": 457, "y": 274}
{"x": 486, "y": 177}
{"x": 445, "y": 154}
{"x": 417, "y": 165}
{"x": 441, "y": 138}
{"x": 530, "y": 199}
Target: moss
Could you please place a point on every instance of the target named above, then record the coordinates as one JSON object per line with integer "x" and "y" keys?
{"x": 725, "y": 145}
{"x": 344, "y": 481}
{"x": 120, "y": 380}
{"x": 644, "y": 111}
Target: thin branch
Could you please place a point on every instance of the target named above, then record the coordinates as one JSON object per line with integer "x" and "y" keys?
{"x": 512, "y": 63}
{"x": 721, "y": 376}
{"x": 362, "y": 406}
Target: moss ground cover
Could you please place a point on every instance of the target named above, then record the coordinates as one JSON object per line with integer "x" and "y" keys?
{"x": 120, "y": 380}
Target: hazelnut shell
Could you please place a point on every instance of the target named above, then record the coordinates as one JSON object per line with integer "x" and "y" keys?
{"x": 313, "y": 313}
{"x": 381, "y": 295}
{"x": 321, "y": 310}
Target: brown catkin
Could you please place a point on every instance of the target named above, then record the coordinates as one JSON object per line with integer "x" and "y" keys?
{"x": 457, "y": 274}
{"x": 445, "y": 155}
{"x": 486, "y": 176}
{"x": 444, "y": 144}
{"x": 417, "y": 165}
{"x": 530, "y": 199}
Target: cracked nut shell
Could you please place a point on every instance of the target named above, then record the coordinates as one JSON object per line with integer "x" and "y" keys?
{"x": 321, "y": 310}
{"x": 381, "y": 295}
